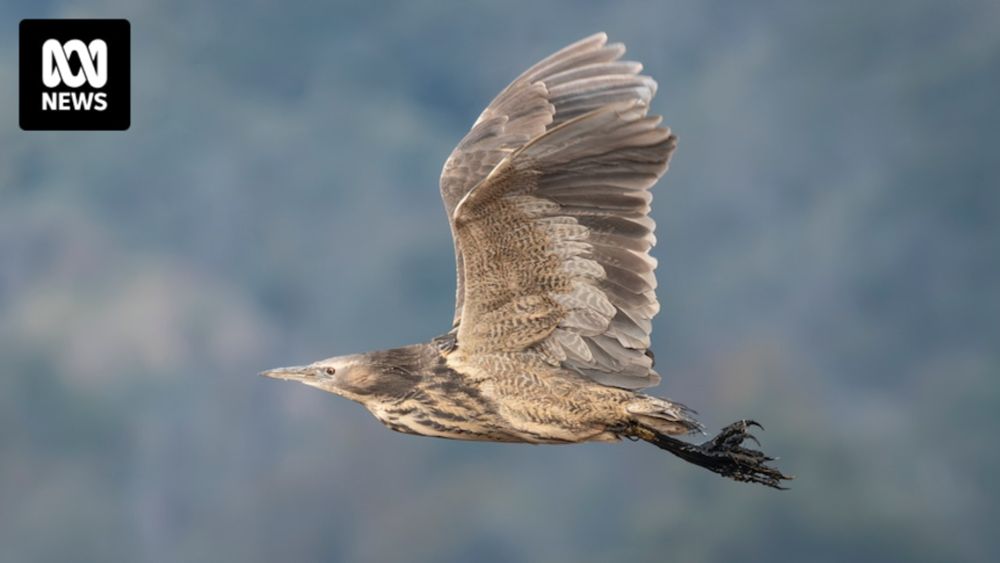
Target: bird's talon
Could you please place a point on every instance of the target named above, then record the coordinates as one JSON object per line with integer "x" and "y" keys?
{"x": 725, "y": 455}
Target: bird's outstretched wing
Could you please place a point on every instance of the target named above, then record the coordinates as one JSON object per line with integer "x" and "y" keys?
{"x": 556, "y": 238}
{"x": 580, "y": 78}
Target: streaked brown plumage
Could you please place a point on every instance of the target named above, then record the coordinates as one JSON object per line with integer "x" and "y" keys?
{"x": 548, "y": 200}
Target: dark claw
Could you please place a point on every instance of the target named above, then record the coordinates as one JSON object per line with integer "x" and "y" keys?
{"x": 724, "y": 454}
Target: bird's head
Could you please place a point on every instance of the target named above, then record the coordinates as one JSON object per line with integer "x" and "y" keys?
{"x": 348, "y": 376}
{"x": 360, "y": 377}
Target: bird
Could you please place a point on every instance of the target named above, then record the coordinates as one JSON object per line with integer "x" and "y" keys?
{"x": 548, "y": 200}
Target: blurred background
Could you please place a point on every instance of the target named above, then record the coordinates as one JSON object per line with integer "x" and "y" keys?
{"x": 830, "y": 265}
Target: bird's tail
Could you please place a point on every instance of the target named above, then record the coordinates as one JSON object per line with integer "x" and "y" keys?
{"x": 662, "y": 416}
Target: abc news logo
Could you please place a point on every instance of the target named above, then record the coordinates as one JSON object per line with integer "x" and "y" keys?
{"x": 74, "y": 75}
{"x": 56, "y": 70}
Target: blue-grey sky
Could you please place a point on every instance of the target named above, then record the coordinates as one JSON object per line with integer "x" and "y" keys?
{"x": 828, "y": 248}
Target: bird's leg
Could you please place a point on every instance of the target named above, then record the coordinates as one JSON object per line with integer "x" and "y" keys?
{"x": 724, "y": 454}
{"x": 446, "y": 343}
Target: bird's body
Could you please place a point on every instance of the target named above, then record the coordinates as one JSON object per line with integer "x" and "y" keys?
{"x": 548, "y": 200}
{"x": 503, "y": 398}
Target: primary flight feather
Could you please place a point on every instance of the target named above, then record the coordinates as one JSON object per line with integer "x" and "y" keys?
{"x": 548, "y": 201}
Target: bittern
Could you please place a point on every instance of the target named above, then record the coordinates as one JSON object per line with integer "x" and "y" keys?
{"x": 548, "y": 201}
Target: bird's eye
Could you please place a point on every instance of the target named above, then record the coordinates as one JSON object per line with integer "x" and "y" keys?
{"x": 330, "y": 371}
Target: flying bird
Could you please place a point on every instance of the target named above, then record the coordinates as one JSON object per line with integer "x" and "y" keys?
{"x": 548, "y": 198}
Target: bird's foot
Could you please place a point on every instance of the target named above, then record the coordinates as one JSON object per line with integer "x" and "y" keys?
{"x": 724, "y": 454}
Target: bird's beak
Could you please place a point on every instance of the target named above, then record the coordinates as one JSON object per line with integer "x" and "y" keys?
{"x": 294, "y": 373}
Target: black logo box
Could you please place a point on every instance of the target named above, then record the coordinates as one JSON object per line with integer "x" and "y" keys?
{"x": 116, "y": 34}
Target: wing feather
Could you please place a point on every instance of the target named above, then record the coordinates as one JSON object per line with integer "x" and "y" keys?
{"x": 577, "y": 79}
{"x": 555, "y": 241}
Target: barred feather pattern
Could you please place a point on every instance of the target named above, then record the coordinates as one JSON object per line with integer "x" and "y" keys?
{"x": 556, "y": 246}
{"x": 578, "y": 79}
